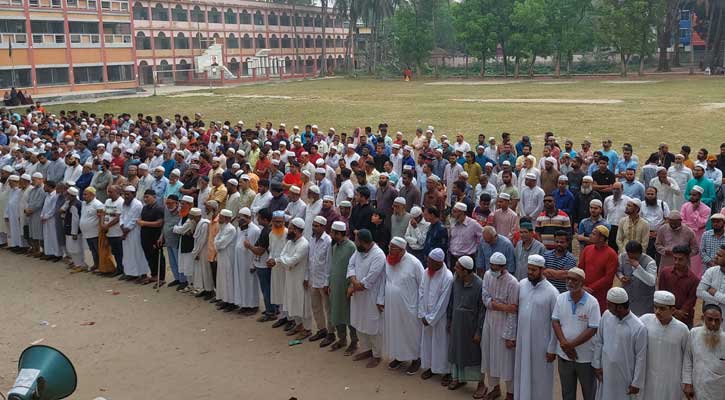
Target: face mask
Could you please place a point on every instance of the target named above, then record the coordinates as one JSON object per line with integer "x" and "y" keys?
{"x": 100, "y": 168}
{"x": 494, "y": 274}
{"x": 361, "y": 249}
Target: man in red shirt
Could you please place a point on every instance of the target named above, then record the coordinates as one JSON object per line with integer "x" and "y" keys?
{"x": 118, "y": 159}
{"x": 682, "y": 282}
{"x": 262, "y": 167}
{"x": 599, "y": 262}
{"x": 293, "y": 177}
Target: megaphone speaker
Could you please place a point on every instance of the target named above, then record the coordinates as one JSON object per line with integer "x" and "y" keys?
{"x": 44, "y": 373}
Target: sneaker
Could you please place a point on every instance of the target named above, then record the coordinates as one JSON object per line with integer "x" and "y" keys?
{"x": 413, "y": 367}
{"x": 173, "y": 283}
{"x": 395, "y": 364}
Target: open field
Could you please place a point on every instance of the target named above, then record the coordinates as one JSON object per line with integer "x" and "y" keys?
{"x": 672, "y": 109}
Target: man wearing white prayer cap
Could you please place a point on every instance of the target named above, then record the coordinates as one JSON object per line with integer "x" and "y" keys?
{"x": 224, "y": 243}
{"x": 294, "y": 260}
{"x": 317, "y": 280}
{"x": 435, "y": 292}
{"x": 532, "y": 197}
{"x": 632, "y": 226}
{"x": 246, "y": 284}
{"x": 500, "y": 294}
{"x": 666, "y": 346}
{"x": 179, "y": 240}
{"x": 620, "y": 350}
{"x": 402, "y": 323}
{"x": 535, "y": 344}
{"x": 32, "y": 212}
{"x": 341, "y": 253}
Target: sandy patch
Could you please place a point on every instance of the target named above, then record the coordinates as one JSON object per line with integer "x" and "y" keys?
{"x": 472, "y": 83}
{"x": 237, "y": 96}
{"x": 630, "y": 82}
{"x": 713, "y": 106}
{"x": 556, "y": 82}
{"x": 542, "y": 101}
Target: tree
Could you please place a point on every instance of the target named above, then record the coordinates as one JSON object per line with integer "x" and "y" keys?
{"x": 413, "y": 35}
{"x": 475, "y": 26}
{"x": 564, "y": 21}
{"x": 622, "y": 25}
{"x": 531, "y": 35}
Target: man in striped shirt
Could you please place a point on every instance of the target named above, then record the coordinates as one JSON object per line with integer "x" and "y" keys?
{"x": 559, "y": 261}
{"x": 550, "y": 221}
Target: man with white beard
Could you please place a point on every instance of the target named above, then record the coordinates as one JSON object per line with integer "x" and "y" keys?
{"x": 535, "y": 339}
{"x": 403, "y": 329}
{"x": 202, "y": 276}
{"x": 246, "y": 286}
{"x": 620, "y": 349}
{"x": 702, "y": 372}
{"x": 435, "y": 293}
{"x": 667, "y": 341}
{"x": 225, "y": 249}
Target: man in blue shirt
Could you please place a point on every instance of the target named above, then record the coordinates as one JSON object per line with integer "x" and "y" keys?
{"x": 632, "y": 187}
{"x": 625, "y": 162}
{"x": 610, "y": 154}
{"x": 563, "y": 197}
{"x": 481, "y": 158}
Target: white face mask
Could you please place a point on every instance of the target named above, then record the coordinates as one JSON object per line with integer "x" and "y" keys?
{"x": 495, "y": 274}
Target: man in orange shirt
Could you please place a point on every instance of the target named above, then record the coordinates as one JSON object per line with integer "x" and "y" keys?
{"x": 293, "y": 177}
{"x": 599, "y": 262}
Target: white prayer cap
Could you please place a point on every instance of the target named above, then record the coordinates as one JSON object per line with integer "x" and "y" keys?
{"x": 304, "y": 153}
{"x": 226, "y": 213}
{"x": 129, "y": 188}
{"x": 299, "y": 223}
{"x": 70, "y": 183}
{"x": 306, "y": 173}
{"x": 314, "y": 189}
{"x": 698, "y": 189}
{"x": 351, "y": 146}
{"x": 504, "y": 196}
{"x": 480, "y": 147}
{"x": 595, "y": 202}
{"x": 563, "y": 178}
{"x": 195, "y": 212}
{"x": 175, "y": 172}
{"x": 14, "y": 178}
{"x": 664, "y": 298}
{"x": 8, "y": 168}
{"x": 314, "y": 127}
{"x": 407, "y": 167}
{"x": 345, "y": 203}
{"x": 328, "y": 197}
{"x": 283, "y": 143}
{"x": 320, "y": 170}
{"x": 216, "y": 159}
{"x": 488, "y": 164}
{"x": 73, "y": 191}
{"x": 160, "y": 168}
{"x": 98, "y": 145}
{"x": 464, "y": 174}
{"x": 88, "y": 164}
{"x": 187, "y": 199}
{"x": 416, "y": 212}
{"x": 497, "y": 259}
{"x": 233, "y": 182}
{"x": 143, "y": 166}
{"x": 130, "y": 150}
{"x": 245, "y": 211}
{"x": 398, "y": 242}
{"x": 275, "y": 162}
{"x": 241, "y": 153}
{"x": 530, "y": 175}
{"x": 578, "y": 272}
{"x": 635, "y": 202}
{"x": 407, "y": 148}
{"x": 537, "y": 259}
{"x": 38, "y": 175}
{"x": 466, "y": 262}
{"x": 437, "y": 255}
{"x": 319, "y": 162}
{"x": 396, "y": 146}
{"x": 339, "y": 226}
{"x": 159, "y": 147}
{"x": 718, "y": 216}
{"x": 294, "y": 189}
{"x": 400, "y": 200}
{"x": 106, "y": 157}
{"x": 550, "y": 159}
{"x": 678, "y": 155}
{"x": 439, "y": 150}
{"x": 587, "y": 178}
{"x": 661, "y": 168}
{"x": 617, "y": 295}
{"x": 244, "y": 177}
{"x": 76, "y": 156}
{"x": 507, "y": 162}
{"x": 236, "y": 166}
{"x": 321, "y": 220}
{"x": 240, "y": 122}
{"x": 25, "y": 177}
{"x": 461, "y": 207}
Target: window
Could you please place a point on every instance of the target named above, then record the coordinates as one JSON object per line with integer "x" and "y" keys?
{"x": 140, "y": 12}
{"x": 247, "y": 42}
{"x": 47, "y": 27}
{"x": 215, "y": 17}
{"x": 117, "y": 73}
{"x": 245, "y": 18}
{"x": 56, "y": 3}
{"x": 159, "y": 13}
{"x": 34, "y": 3}
{"x": 230, "y": 17}
{"x": 338, "y": 42}
{"x": 307, "y": 20}
{"x": 88, "y": 74}
{"x": 198, "y": 41}
{"x": 318, "y": 41}
{"x": 258, "y": 18}
{"x": 162, "y": 42}
{"x": 92, "y": 5}
{"x": 72, "y": 3}
{"x": 179, "y": 13}
{"x": 116, "y": 28}
{"x": 232, "y": 42}
{"x": 286, "y": 42}
{"x": 261, "y": 42}
{"x": 52, "y": 76}
{"x": 298, "y": 20}
{"x": 329, "y": 42}
{"x": 309, "y": 43}
{"x": 12, "y": 26}
{"x": 83, "y": 27}
{"x": 284, "y": 20}
{"x": 15, "y": 78}
{"x": 197, "y": 15}
{"x": 274, "y": 42}
{"x": 142, "y": 41}
{"x": 105, "y": 5}
{"x": 318, "y": 22}
{"x": 328, "y": 22}
{"x": 300, "y": 42}
{"x": 181, "y": 41}
{"x": 272, "y": 19}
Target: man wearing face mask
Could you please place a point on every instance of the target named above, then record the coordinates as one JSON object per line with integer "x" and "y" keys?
{"x": 614, "y": 209}
{"x": 102, "y": 179}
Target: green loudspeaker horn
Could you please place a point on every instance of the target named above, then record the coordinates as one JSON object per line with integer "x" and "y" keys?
{"x": 44, "y": 373}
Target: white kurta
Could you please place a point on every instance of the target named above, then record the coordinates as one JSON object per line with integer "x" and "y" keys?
{"x": 369, "y": 269}
{"x": 276, "y": 244}
{"x": 311, "y": 212}
{"x": 224, "y": 244}
{"x": 620, "y": 350}
{"x": 74, "y": 247}
{"x": 293, "y": 260}
{"x": 704, "y": 368}
{"x": 666, "y": 347}
{"x": 4, "y": 198}
{"x": 534, "y": 338}
{"x": 202, "y": 277}
{"x": 186, "y": 260}
{"x": 433, "y": 299}
{"x": 15, "y": 230}
{"x": 496, "y": 359}
{"x": 246, "y": 284}
{"x": 134, "y": 260}
{"x": 403, "y": 328}
{"x": 49, "y": 222}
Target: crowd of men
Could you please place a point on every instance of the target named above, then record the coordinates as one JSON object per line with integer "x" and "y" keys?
{"x": 477, "y": 263}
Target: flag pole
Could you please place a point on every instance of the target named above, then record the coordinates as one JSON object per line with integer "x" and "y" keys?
{"x": 12, "y": 62}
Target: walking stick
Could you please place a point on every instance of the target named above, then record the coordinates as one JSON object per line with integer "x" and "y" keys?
{"x": 158, "y": 270}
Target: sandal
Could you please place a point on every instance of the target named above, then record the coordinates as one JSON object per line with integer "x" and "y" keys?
{"x": 481, "y": 391}
{"x": 338, "y": 345}
{"x": 456, "y": 384}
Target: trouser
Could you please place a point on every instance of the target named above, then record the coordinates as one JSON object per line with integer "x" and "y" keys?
{"x": 371, "y": 342}
{"x": 265, "y": 281}
{"x": 342, "y": 333}
{"x": 613, "y": 238}
{"x": 493, "y": 382}
{"x": 320, "y": 302}
{"x": 570, "y": 372}
{"x": 305, "y": 322}
{"x": 652, "y": 250}
{"x": 212, "y": 265}
{"x": 154, "y": 257}
{"x": 93, "y": 247}
{"x": 116, "y": 244}
{"x": 173, "y": 253}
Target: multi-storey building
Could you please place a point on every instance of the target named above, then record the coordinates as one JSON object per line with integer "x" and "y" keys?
{"x": 55, "y": 46}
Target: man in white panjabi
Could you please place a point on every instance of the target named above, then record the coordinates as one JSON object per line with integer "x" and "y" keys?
{"x": 294, "y": 259}
{"x": 185, "y": 229}
{"x": 134, "y": 260}
{"x": 277, "y": 241}
{"x": 366, "y": 272}
{"x": 11, "y": 216}
{"x": 51, "y": 247}
{"x": 224, "y": 244}
{"x": 667, "y": 341}
{"x": 246, "y": 285}
{"x": 312, "y": 211}
{"x": 202, "y": 275}
{"x": 4, "y": 197}
{"x": 402, "y": 327}
{"x": 620, "y": 350}
{"x": 317, "y": 277}
{"x": 535, "y": 339}
{"x": 434, "y": 295}
{"x": 702, "y": 372}
{"x": 500, "y": 296}
{"x": 71, "y": 222}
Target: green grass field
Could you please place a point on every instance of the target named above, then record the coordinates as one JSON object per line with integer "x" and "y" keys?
{"x": 669, "y": 109}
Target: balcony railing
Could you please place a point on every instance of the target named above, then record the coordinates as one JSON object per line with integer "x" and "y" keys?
{"x": 12, "y": 3}
{"x": 85, "y": 39}
{"x": 118, "y": 40}
{"x": 48, "y": 40}
{"x": 18, "y": 39}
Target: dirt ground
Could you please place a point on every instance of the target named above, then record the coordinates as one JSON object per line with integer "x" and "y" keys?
{"x": 166, "y": 345}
